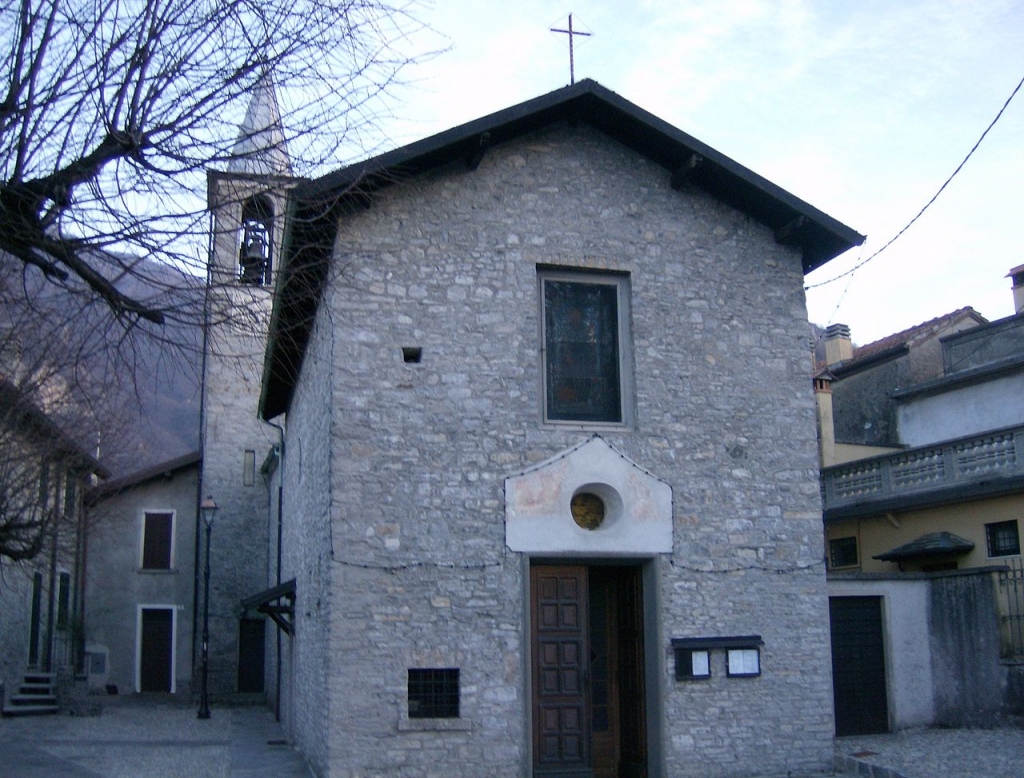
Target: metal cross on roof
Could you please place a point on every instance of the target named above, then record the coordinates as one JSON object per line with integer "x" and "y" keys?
{"x": 571, "y": 32}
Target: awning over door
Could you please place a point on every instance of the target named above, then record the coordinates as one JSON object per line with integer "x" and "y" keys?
{"x": 277, "y": 602}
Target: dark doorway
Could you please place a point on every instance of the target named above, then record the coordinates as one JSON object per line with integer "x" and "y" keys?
{"x": 250, "y": 654}
{"x": 858, "y": 666}
{"x": 588, "y": 672}
{"x": 155, "y": 651}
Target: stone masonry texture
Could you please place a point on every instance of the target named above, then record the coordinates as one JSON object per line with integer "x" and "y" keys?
{"x": 393, "y": 475}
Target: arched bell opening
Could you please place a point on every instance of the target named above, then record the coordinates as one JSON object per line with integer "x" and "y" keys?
{"x": 254, "y": 258}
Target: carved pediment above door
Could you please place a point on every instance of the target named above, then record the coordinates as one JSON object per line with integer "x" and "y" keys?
{"x": 590, "y": 500}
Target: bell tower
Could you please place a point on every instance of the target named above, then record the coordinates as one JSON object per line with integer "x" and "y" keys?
{"x": 247, "y": 202}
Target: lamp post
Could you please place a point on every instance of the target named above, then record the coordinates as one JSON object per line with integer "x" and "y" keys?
{"x": 208, "y": 510}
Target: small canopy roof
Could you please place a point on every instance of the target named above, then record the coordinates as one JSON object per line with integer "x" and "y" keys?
{"x": 934, "y": 545}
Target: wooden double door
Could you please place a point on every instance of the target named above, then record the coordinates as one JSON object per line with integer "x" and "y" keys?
{"x": 589, "y": 704}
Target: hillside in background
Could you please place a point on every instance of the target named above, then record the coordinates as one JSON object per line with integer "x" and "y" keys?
{"x": 128, "y": 393}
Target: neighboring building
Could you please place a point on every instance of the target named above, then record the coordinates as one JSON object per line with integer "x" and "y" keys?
{"x": 922, "y": 443}
{"x": 951, "y": 459}
{"x": 550, "y": 503}
{"x": 141, "y": 582}
{"x": 43, "y": 474}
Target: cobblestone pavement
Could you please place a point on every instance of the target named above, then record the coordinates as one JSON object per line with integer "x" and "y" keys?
{"x": 144, "y": 739}
{"x": 135, "y": 738}
{"x": 937, "y": 753}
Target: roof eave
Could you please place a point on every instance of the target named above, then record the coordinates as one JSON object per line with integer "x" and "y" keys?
{"x": 688, "y": 161}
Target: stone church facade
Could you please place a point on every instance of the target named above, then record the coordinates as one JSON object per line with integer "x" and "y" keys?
{"x": 549, "y": 499}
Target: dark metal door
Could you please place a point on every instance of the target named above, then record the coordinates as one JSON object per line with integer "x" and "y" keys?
{"x": 251, "y": 654}
{"x": 858, "y": 666}
{"x": 155, "y": 660}
{"x": 560, "y": 713}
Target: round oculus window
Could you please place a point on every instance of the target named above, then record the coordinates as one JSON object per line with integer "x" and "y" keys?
{"x": 587, "y": 510}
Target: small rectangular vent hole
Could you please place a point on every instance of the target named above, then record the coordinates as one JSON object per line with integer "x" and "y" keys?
{"x": 412, "y": 355}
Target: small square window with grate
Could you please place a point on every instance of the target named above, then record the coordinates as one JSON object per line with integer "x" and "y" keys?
{"x": 434, "y": 693}
{"x": 1003, "y": 538}
{"x": 842, "y": 552}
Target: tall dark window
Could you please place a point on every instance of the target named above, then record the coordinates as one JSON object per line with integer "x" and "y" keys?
{"x": 157, "y": 532}
{"x": 254, "y": 260}
{"x": 63, "y": 599}
{"x": 44, "y": 485}
{"x": 1003, "y": 538}
{"x": 583, "y": 348}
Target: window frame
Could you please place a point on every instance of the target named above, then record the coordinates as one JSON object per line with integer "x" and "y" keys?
{"x": 433, "y": 693}
{"x": 832, "y": 542}
{"x": 621, "y": 282}
{"x": 990, "y": 539}
{"x": 171, "y": 540}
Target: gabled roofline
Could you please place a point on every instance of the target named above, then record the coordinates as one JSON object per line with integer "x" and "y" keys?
{"x": 687, "y": 159}
{"x": 316, "y": 205}
{"x": 160, "y": 470}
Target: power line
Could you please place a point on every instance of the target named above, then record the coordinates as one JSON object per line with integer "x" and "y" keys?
{"x": 959, "y": 167}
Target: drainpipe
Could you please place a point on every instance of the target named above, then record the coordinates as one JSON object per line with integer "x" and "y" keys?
{"x": 277, "y": 579}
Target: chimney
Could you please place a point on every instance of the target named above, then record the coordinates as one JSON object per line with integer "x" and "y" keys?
{"x": 1017, "y": 275}
{"x": 838, "y": 346}
{"x": 826, "y": 420}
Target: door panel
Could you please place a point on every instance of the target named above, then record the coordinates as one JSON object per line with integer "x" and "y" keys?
{"x": 858, "y": 666}
{"x": 155, "y": 651}
{"x": 251, "y": 651}
{"x": 561, "y": 736}
{"x": 589, "y": 701}
{"x": 632, "y": 701}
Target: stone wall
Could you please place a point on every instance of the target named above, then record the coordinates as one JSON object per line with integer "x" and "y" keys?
{"x": 308, "y": 705}
{"x": 723, "y": 413}
{"x": 964, "y": 625}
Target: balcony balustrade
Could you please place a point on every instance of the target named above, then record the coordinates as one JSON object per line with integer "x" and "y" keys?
{"x": 985, "y": 464}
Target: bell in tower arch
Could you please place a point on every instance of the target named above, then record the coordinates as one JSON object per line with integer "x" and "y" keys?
{"x": 254, "y": 253}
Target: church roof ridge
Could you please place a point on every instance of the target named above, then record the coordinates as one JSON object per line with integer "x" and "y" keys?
{"x": 688, "y": 159}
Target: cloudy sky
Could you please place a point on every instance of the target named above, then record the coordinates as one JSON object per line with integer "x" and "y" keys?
{"x": 863, "y": 108}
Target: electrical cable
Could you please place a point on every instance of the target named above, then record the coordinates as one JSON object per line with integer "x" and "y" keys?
{"x": 959, "y": 167}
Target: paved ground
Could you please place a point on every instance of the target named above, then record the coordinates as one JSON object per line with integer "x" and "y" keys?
{"x": 147, "y": 739}
{"x": 133, "y": 739}
{"x": 939, "y": 753}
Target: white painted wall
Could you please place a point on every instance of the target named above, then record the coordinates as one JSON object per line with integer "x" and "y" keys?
{"x": 962, "y": 411}
{"x": 908, "y": 665}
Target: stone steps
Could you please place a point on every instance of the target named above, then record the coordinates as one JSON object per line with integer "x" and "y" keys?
{"x": 35, "y": 696}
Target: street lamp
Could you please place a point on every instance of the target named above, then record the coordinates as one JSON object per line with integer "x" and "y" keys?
{"x": 208, "y": 510}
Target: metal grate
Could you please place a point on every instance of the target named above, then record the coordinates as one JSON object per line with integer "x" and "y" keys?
{"x": 1011, "y": 586}
{"x": 434, "y": 693}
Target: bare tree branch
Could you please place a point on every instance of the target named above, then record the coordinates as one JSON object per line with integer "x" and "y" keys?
{"x": 113, "y": 111}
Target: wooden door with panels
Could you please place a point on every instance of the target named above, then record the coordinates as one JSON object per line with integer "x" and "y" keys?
{"x": 588, "y": 677}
